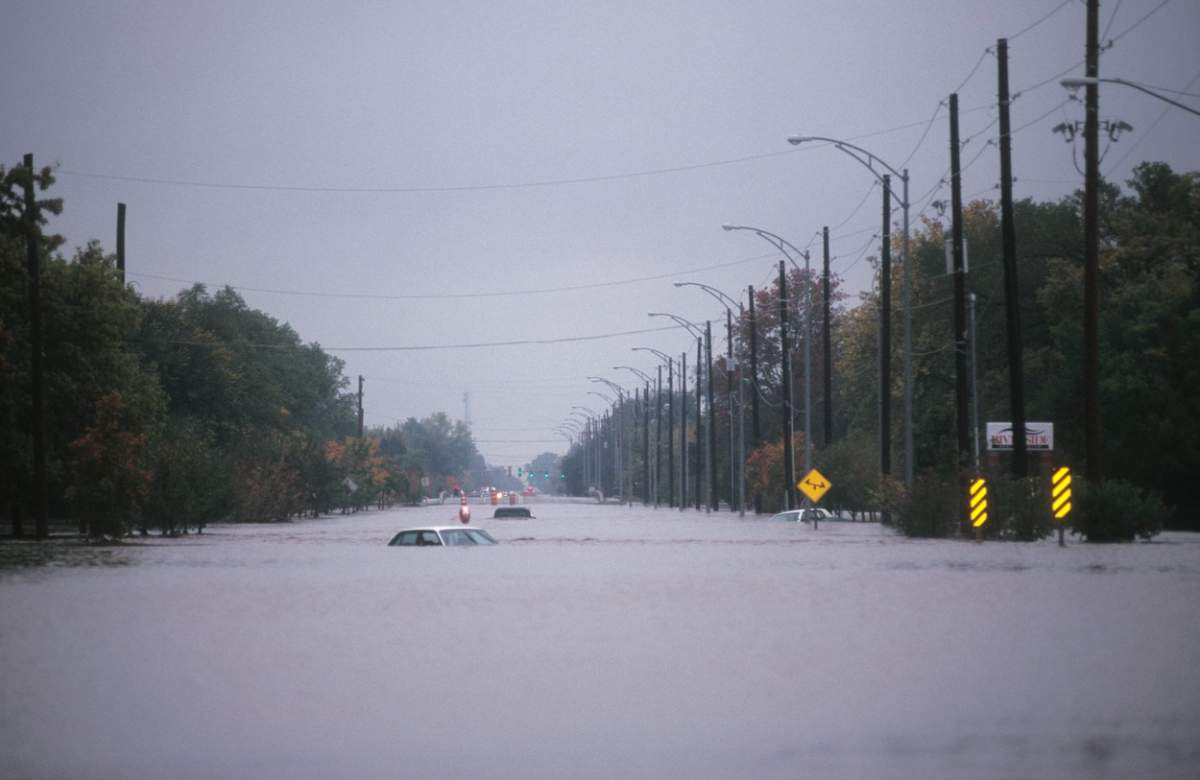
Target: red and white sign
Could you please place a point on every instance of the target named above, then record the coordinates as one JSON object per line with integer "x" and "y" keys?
{"x": 1039, "y": 436}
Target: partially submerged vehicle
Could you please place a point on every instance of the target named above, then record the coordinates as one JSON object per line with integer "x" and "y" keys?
{"x": 441, "y": 536}
{"x": 513, "y": 513}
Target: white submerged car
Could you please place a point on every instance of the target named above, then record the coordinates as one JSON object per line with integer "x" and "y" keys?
{"x": 441, "y": 536}
{"x": 804, "y": 515}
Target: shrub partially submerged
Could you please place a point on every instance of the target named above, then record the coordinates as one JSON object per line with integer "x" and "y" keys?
{"x": 1117, "y": 511}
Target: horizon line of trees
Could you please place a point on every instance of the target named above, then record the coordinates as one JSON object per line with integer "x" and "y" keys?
{"x": 170, "y": 414}
{"x": 1149, "y": 360}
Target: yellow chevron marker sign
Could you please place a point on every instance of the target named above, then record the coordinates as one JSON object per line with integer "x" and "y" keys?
{"x": 978, "y": 502}
{"x": 1060, "y": 493}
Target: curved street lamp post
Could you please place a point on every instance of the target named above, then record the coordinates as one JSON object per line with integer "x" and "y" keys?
{"x": 737, "y": 486}
{"x": 870, "y": 161}
{"x": 783, "y": 245}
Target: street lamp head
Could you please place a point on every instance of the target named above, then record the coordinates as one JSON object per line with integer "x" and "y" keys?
{"x": 728, "y": 226}
{"x": 796, "y": 140}
{"x": 680, "y": 284}
{"x": 1076, "y": 82}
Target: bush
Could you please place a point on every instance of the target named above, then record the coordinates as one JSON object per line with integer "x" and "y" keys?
{"x": 1117, "y": 511}
{"x": 932, "y": 508}
{"x": 1020, "y": 509}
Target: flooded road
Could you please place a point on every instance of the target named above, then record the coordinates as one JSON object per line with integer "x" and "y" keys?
{"x": 600, "y": 641}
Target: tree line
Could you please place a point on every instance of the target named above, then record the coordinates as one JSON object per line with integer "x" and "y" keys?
{"x": 1149, "y": 369}
{"x": 169, "y": 414}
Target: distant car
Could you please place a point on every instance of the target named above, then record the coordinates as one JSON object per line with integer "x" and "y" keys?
{"x": 511, "y": 512}
{"x": 804, "y": 515}
{"x": 441, "y": 536}
{"x": 529, "y": 490}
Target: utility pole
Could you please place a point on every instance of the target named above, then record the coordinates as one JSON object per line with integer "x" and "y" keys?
{"x": 38, "y": 423}
{"x": 974, "y": 391}
{"x": 121, "y": 241}
{"x": 789, "y": 468}
{"x": 960, "y": 293}
{"x": 683, "y": 453}
{"x": 671, "y": 433}
{"x": 755, "y": 431}
{"x": 827, "y": 346}
{"x": 713, "y": 500}
{"x": 360, "y": 406}
{"x": 1012, "y": 291}
{"x": 699, "y": 426}
{"x": 885, "y": 334}
{"x": 657, "y": 436}
{"x": 1091, "y": 253}
{"x": 729, "y": 406}
{"x": 646, "y": 444}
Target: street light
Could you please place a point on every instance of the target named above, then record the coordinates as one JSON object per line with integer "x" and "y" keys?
{"x": 642, "y": 374}
{"x": 737, "y": 494}
{"x": 783, "y": 245}
{"x": 869, "y": 161}
{"x": 619, "y": 426}
{"x": 1076, "y": 82}
{"x": 670, "y": 362}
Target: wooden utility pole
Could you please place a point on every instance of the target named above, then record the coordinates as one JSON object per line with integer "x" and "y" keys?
{"x": 1091, "y": 254}
{"x": 121, "y": 241}
{"x": 1012, "y": 290}
{"x": 699, "y": 424}
{"x": 960, "y": 294}
{"x": 360, "y": 406}
{"x": 885, "y": 334}
{"x": 827, "y": 346}
{"x": 38, "y": 422}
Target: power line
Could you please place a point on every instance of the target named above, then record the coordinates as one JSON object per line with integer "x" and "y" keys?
{"x": 436, "y": 347}
{"x": 1052, "y": 12}
{"x": 445, "y": 296}
{"x": 1138, "y": 23}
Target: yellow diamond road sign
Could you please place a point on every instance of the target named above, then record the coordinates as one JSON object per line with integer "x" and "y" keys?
{"x": 814, "y": 485}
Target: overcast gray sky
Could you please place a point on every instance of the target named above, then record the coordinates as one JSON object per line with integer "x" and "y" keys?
{"x": 315, "y": 154}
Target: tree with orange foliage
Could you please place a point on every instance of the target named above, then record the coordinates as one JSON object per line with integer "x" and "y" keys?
{"x": 110, "y": 480}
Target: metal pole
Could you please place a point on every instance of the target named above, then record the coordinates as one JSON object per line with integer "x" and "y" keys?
{"x": 38, "y": 421}
{"x": 657, "y": 436}
{"x": 808, "y": 447}
{"x": 683, "y": 453}
{"x": 713, "y": 499}
{"x": 789, "y": 469}
{"x": 729, "y": 405}
{"x": 755, "y": 430}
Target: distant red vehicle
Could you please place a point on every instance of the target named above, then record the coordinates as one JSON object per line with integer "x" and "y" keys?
{"x": 529, "y": 490}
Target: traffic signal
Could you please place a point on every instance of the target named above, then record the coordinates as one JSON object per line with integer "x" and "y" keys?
{"x": 562, "y": 475}
{"x": 546, "y": 475}
{"x": 519, "y": 471}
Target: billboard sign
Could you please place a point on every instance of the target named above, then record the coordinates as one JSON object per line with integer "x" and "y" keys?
{"x": 1039, "y": 436}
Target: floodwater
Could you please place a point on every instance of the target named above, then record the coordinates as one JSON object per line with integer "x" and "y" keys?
{"x": 600, "y": 642}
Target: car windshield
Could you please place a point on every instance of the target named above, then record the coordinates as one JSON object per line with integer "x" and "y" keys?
{"x": 479, "y": 536}
{"x": 512, "y": 511}
{"x": 790, "y": 517}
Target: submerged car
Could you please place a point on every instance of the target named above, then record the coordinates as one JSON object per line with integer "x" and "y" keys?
{"x": 441, "y": 536}
{"x": 511, "y": 512}
{"x": 803, "y": 515}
